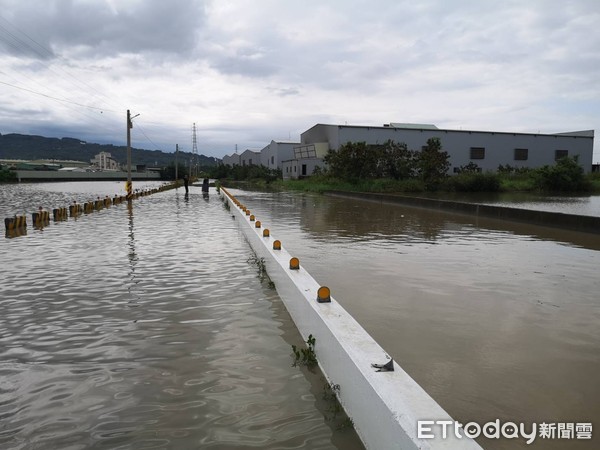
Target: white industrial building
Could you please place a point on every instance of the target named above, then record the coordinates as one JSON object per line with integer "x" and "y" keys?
{"x": 233, "y": 160}
{"x": 270, "y": 156}
{"x": 306, "y": 158}
{"x": 276, "y": 152}
{"x": 250, "y": 158}
{"x": 487, "y": 149}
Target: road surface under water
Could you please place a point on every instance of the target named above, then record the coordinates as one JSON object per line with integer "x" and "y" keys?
{"x": 148, "y": 327}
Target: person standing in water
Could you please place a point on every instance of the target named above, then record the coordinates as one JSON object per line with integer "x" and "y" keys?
{"x": 205, "y": 186}
{"x": 185, "y": 183}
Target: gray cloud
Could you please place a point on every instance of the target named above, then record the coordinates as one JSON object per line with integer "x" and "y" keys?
{"x": 272, "y": 69}
{"x": 92, "y": 29}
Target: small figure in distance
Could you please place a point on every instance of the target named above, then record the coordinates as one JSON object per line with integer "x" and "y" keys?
{"x": 205, "y": 187}
{"x": 185, "y": 183}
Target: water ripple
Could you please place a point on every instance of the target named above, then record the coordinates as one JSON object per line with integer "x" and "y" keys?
{"x": 146, "y": 328}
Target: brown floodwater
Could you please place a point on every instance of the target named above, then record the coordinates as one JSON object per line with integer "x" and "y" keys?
{"x": 496, "y": 320}
{"x": 148, "y": 327}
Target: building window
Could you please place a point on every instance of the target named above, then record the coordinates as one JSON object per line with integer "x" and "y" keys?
{"x": 250, "y": 162}
{"x": 521, "y": 154}
{"x": 477, "y": 152}
{"x": 558, "y": 154}
{"x": 272, "y": 160}
{"x": 295, "y": 168}
{"x": 305, "y": 151}
{"x": 303, "y": 169}
{"x": 456, "y": 170}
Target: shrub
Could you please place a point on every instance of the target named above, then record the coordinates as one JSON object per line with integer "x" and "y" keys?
{"x": 7, "y": 175}
{"x": 474, "y": 182}
{"x": 564, "y": 176}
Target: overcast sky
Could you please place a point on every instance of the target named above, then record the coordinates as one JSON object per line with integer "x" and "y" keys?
{"x": 249, "y": 71}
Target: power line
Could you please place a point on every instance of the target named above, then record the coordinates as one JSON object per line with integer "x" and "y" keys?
{"x": 27, "y": 46}
{"x": 55, "y": 98}
{"x": 24, "y": 48}
{"x": 149, "y": 140}
{"x": 22, "y": 44}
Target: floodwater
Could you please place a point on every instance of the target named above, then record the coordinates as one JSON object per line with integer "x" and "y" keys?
{"x": 588, "y": 205}
{"x": 148, "y": 327}
{"x": 584, "y": 205}
{"x": 494, "y": 319}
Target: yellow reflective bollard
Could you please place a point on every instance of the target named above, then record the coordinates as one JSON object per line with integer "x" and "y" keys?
{"x": 294, "y": 263}
{"x": 323, "y": 295}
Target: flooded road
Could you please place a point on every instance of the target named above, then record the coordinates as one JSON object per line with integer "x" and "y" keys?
{"x": 150, "y": 328}
{"x": 147, "y": 327}
{"x": 496, "y": 320}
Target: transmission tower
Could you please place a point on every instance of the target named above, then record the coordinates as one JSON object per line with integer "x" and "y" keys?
{"x": 194, "y": 149}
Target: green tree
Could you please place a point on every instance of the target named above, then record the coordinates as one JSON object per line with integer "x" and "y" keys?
{"x": 356, "y": 161}
{"x": 168, "y": 172}
{"x": 470, "y": 168}
{"x": 353, "y": 161}
{"x": 7, "y": 175}
{"x": 220, "y": 172}
{"x": 433, "y": 163}
{"x": 396, "y": 161}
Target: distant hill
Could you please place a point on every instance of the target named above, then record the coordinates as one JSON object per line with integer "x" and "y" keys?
{"x": 29, "y": 147}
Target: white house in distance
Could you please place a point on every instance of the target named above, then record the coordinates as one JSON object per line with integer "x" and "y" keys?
{"x": 487, "y": 149}
{"x": 276, "y": 152}
{"x": 250, "y": 158}
{"x": 104, "y": 161}
{"x": 233, "y": 160}
{"x": 270, "y": 156}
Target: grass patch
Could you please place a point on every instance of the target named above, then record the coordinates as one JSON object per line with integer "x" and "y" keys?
{"x": 320, "y": 184}
{"x": 517, "y": 183}
{"x": 594, "y": 180}
{"x": 305, "y": 356}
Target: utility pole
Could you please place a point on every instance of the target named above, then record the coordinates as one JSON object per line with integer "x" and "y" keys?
{"x": 176, "y": 163}
{"x": 194, "y": 145}
{"x": 129, "y": 185}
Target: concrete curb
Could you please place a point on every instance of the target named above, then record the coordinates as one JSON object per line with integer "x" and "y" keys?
{"x": 586, "y": 224}
{"x": 384, "y": 406}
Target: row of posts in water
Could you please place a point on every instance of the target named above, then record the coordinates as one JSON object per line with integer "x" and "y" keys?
{"x": 17, "y": 225}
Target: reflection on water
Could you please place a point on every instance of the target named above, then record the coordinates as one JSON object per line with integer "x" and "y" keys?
{"x": 496, "y": 320}
{"x": 146, "y": 327}
{"x": 587, "y": 205}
